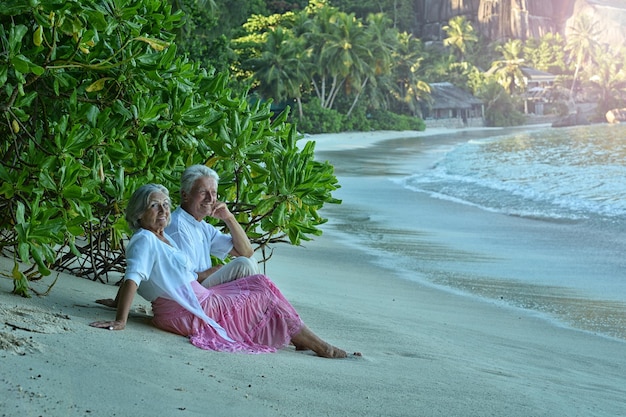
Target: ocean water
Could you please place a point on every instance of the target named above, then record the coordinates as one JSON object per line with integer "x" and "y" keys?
{"x": 534, "y": 219}
{"x": 552, "y": 174}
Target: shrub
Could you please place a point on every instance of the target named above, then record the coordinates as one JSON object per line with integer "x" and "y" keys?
{"x": 96, "y": 101}
{"x": 358, "y": 121}
{"x": 319, "y": 120}
{"x": 386, "y": 120}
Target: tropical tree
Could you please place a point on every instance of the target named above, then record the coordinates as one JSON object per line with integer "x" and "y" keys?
{"x": 582, "y": 44}
{"x": 546, "y": 53}
{"x": 409, "y": 89}
{"x": 401, "y": 12}
{"x": 381, "y": 41}
{"x": 209, "y": 25}
{"x": 508, "y": 70}
{"x": 608, "y": 80}
{"x": 499, "y": 106}
{"x": 341, "y": 58}
{"x": 279, "y": 69}
{"x": 460, "y": 36}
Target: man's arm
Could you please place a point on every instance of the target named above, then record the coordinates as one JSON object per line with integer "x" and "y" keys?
{"x": 241, "y": 243}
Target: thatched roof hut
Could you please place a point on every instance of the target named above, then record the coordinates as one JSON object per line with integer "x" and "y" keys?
{"x": 451, "y": 102}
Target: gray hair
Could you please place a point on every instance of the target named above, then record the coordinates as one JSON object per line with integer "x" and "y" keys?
{"x": 192, "y": 174}
{"x": 138, "y": 203}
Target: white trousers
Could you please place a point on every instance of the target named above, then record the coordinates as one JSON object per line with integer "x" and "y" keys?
{"x": 237, "y": 268}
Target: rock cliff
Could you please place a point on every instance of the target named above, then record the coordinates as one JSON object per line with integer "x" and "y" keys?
{"x": 521, "y": 19}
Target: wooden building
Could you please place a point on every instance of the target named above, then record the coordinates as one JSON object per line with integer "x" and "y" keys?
{"x": 538, "y": 90}
{"x": 452, "y": 106}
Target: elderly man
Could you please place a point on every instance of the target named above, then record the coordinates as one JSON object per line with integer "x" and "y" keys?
{"x": 199, "y": 239}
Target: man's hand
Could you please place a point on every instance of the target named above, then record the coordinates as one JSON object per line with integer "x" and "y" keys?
{"x": 220, "y": 211}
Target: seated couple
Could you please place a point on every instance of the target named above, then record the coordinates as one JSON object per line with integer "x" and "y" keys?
{"x": 231, "y": 308}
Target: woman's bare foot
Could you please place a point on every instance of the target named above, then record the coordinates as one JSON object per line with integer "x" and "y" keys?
{"x": 332, "y": 352}
{"x": 305, "y": 339}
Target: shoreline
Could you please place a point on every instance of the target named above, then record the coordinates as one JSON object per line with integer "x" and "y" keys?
{"x": 357, "y": 140}
{"x": 494, "y": 239}
{"x": 426, "y": 351}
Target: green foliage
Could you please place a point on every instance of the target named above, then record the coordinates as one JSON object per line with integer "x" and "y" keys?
{"x": 331, "y": 55}
{"x": 402, "y": 12}
{"x": 546, "y": 53}
{"x": 317, "y": 119}
{"x": 358, "y": 121}
{"x": 209, "y": 26}
{"x": 96, "y": 101}
{"x": 461, "y": 36}
{"x": 386, "y": 120}
{"x": 500, "y": 110}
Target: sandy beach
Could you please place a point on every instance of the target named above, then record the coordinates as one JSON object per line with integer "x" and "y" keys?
{"x": 426, "y": 352}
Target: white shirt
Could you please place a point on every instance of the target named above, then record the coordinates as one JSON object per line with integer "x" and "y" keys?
{"x": 198, "y": 239}
{"x": 155, "y": 266}
{"x": 161, "y": 270}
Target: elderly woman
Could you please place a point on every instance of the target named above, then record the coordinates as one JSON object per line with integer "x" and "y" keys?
{"x": 246, "y": 315}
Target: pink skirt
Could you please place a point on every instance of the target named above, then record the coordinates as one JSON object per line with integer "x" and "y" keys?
{"x": 252, "y": 310}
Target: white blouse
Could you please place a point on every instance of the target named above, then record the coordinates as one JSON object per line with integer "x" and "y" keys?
{"x": 161, "y": 270}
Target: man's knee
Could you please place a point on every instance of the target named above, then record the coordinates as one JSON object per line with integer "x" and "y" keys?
{"x": 246, "y": 266}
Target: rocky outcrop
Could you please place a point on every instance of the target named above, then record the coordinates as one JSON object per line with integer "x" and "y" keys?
{"x": 616, "y": 116}
{"x": 574, "y": 119}
{"x": 505, "y": 19}
{"x": 520, "y": 19}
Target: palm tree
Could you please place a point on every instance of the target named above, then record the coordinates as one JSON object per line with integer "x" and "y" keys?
{"x": 324, "y": 75}
{"x": 279, "y": 69}
{"x": 341, "y": 55}
{"x": 461, "y": 35}
{"x": 508, "y": 70}
{"x": 408, "y": 88}
{"x": 547, "y": 53}
{"x": 608, "y": 80}
{"x": 582, "y": 44}
{"x": 381, "y": 41}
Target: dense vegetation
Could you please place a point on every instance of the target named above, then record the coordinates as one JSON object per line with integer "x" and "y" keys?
{"x": 95, "y": 101}
{"x": 346, "y": 66}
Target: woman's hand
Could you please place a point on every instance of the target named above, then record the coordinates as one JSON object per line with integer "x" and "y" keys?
{"x": 124, "y": 300}
{"x": 110, "y": 325}
{"x": 205, "y": 274}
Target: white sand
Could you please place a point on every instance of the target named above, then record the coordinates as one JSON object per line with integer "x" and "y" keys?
{"x": 357, "y": 140}
{"x": 425, "y": 352}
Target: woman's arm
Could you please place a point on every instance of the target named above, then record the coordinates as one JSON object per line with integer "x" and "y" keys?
{"x": 109, "y": 302}
{"x": 124, "y": 300}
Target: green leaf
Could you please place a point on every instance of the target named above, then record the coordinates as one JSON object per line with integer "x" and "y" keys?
{"x": 4, "y": 70}
{"x": 20, "y": 213}
{"x": 21, "y": 64}
{"x": 20, "y": 282}
{"x": 16, "y": 34}
{"x": 264, "y": 206}
{"x": 37, "y": 256}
